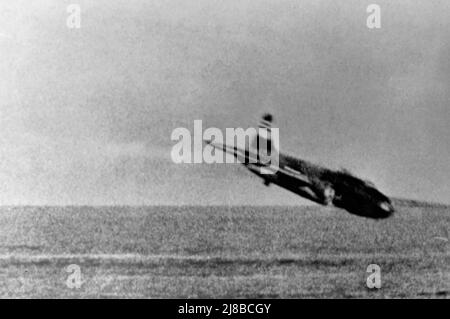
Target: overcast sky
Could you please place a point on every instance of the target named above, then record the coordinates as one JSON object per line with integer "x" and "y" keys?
{"x": 86, "y": 115}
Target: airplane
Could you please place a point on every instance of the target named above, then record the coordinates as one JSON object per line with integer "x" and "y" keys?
{"x": 314, "y": 182}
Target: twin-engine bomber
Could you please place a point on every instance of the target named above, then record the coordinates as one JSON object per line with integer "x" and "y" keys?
{"x": 319, "y": 184}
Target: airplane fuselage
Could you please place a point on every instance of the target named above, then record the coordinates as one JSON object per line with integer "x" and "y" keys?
{"x": 328, "y": 187}
{"x": 314, "y": 182}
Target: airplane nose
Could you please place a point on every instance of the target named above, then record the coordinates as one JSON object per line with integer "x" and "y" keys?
{"x": 387, "y": 207}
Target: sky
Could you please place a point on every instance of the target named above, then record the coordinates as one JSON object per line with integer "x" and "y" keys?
{"x": 86, "y": 115}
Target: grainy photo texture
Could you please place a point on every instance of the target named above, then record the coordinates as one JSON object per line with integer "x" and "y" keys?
{"x": 224, "y": 149}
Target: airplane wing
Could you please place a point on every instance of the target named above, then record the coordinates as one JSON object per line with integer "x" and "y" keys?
{"x": 250, "y": 159}
{"x": 287, "y": 171}
{"x": 242, "y": 156}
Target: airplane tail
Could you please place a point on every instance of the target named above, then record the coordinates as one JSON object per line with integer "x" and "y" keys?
{"x": 263, "y": 140}
{"x": 266, "y": 121}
